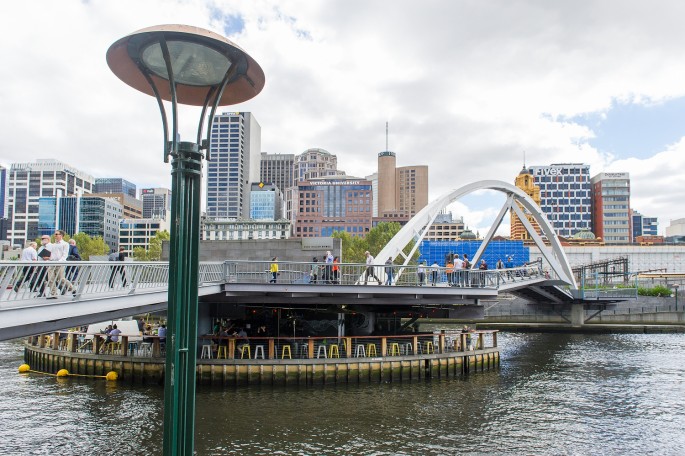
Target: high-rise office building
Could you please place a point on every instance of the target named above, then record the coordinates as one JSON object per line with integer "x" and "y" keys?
{"x": 28, "y": 182}
{"x": 565, "y": 196}
{"x": 277, "y": 169}
{"x": 4, "y": 183}
{"x": 133, "y": 207}
{"x": 525, "y": 182}
{"x": 644, "y": 226}
{"x": 323, "y": 206}
{"x": 266, "y": 202}
{"x": 611, "y": 219}
{"x": 139, "y": 232}
{"x": 234, "y": 147}
{"x": 92, "y": 215}
{"x": 156, "y": 203}
{"x": 401, "y": 191}
{"x": 114, "y": 185}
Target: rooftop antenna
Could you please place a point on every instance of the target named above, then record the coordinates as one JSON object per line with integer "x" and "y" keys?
{"x": 386, "y": 136}
{"x": 524, "y": 158}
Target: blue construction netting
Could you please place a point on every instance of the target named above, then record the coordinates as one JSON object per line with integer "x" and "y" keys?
{"x": 431, "y": 251}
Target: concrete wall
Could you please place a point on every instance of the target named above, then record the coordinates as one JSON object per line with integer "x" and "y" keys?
{"x": 263, "y": 250}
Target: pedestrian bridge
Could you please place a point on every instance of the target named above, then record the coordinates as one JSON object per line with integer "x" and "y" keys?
{"x": 102, "y": 291}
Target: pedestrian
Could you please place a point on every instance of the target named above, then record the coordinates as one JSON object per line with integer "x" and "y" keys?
{"x": 72, "y": 271}
{"x": 458, "y": 271}
{"x": 336, "y": 270}
{"x": 328, "y": 271}
{"x": 388, "y": 271}
{"x": 467, "y": 274}
{"x": 274, "y": 270}
{"x": 435, "y": 270}
{"x": 449, "y": 271}
{"x": 483, "y": 267}
{"x": 118, "y": 257}
{"x": 314, "y": 271}
{"x": 421, "y": 273}
{"x": 56, "y": 274}
{"x": 29, "y": 255}
{"x": 370, "y": 269}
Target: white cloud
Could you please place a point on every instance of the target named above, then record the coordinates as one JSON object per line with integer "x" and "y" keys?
{"x": 466, "y": 86}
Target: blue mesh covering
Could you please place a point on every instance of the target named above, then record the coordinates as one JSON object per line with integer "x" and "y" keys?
{"x": 438, "y": 251}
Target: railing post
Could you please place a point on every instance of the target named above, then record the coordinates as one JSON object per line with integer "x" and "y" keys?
{"x": 348, "y": 347}
{"x": 481, "y": 340}
{"x": 384, "y": 346}
{"x": 462, "y": 336}
{"x": 124, "y": 345}
{"x": 415, "y": 342}
{"x": 231, "y": 348}
{"x": 55, "y": 341}
{"x": 441, "y": 342}
{"x": 271, "y": 348}
{"x": 310, "y": 348}
{"x": 494, "y": 339}
{"x": 72, "y": 345}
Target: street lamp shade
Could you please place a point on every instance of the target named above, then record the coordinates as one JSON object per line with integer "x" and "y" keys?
{"x": 200, "y": 60}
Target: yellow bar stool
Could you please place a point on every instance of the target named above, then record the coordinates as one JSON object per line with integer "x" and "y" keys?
{"x": 284, "y": 350}
{"x": 371, "y": 350}
{"x": 222, "y": 352}
{"x": 429, "y": 348}
{"x": 243, "y": 349}
{"x": 394, "y": 349}
{"x": 333, "y": 351}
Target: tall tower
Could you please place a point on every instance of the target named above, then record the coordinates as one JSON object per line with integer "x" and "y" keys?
{"x": 611, "y": 207}
{"x": 525, "y": 182}
{"x": 235, "y": 148}
{"x": 387, "y": 179}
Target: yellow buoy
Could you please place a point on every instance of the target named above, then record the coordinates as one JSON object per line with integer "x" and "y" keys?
{"x": 62, "y": 373}
{"x": 24, "y": 368}
{"x": 111, "y": 376}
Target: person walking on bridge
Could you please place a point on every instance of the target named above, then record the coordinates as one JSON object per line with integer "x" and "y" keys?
{"x": 370, "y": 269}
{"x": 274, "y": 270}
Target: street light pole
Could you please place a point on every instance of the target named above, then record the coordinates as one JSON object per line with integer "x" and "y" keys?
{"x": 187, "y": 65}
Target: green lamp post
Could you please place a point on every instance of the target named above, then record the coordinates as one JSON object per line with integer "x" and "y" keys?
{"x": 193, "y": 66}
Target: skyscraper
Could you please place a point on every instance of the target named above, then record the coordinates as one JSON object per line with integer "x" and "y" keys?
{"x": 316, "y": 163}
{"x": 3, "y": 192}
{"x": 156, "y": 203}
{"x": 565, "y": 196}
{"x": 611, "y": 207}
{"x": 234, "y": 163}
{"x": 401, "y": 191}
{"x": 277, "y": 169}
{"x": 28, "y": 182}
{"x": 643, "y": 225}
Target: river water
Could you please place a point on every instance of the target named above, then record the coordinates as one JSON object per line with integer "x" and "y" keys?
{"x": 553, "y": 394}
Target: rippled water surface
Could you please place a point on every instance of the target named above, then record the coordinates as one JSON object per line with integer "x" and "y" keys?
{"x": 554, "y": 394}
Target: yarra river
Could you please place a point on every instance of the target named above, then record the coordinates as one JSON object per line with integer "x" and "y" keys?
{"x": 554, "y": 394}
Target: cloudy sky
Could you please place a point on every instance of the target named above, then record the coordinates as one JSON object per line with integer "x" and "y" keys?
{"x": 466, "y": 86}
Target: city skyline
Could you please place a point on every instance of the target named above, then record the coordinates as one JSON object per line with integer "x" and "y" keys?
{"x": 471, "y": 86}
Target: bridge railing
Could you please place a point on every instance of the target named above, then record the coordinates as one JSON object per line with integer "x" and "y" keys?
{"x": 22, "y": 281}
{"x": 318, "y": 273}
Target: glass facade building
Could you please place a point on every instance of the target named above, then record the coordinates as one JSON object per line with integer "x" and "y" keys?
{"x": 156, "y": 203}
{"x": 266, "y": 202}
{"x": 114, "y": 185}
{"x": 325, "y": 206}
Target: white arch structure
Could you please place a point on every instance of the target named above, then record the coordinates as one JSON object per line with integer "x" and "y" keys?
{"x": 418, "y": 226}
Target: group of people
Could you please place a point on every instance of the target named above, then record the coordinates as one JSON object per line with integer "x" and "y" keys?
{"x": 458, "y": 272}
{"x": 54, "y": 280}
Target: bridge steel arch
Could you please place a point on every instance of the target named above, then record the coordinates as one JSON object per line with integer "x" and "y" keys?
{"x": 418, "y": 226}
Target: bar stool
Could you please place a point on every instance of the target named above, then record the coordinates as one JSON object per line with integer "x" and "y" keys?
{"x": 145, "y": 348}
{"x": 206, "y": 351}
{"x": 394, "y": 349}
{"x": 322, "y": 349}
{"x": 222, "y": 352}
{"x": 360, "y": 352}
{"x": 257, "y": 350}
{"x": 371, "y": 350}
{"x": 243, "y": 349}
{"x": 333, "y": 351}
{"x": 429, "y": 347}
{"x": 407, "y": 349}
{"x": 286, "y": 348}
{"x": 304, "y": 350}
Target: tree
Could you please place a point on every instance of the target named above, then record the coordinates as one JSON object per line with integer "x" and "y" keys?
{"x": 88, "y": 246}
{"x": 154, "y": 251}
{"x": 353, "y": 247}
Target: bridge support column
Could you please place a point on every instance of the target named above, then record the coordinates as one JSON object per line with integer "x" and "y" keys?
{"x": 577, "y": 315}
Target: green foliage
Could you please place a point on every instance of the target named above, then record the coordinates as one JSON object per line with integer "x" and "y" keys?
{"x": 154, "y": 251}
{"x": 88, "y": 246}
{"x": 353, "y": 247}
{"x": 659, "y": 291}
